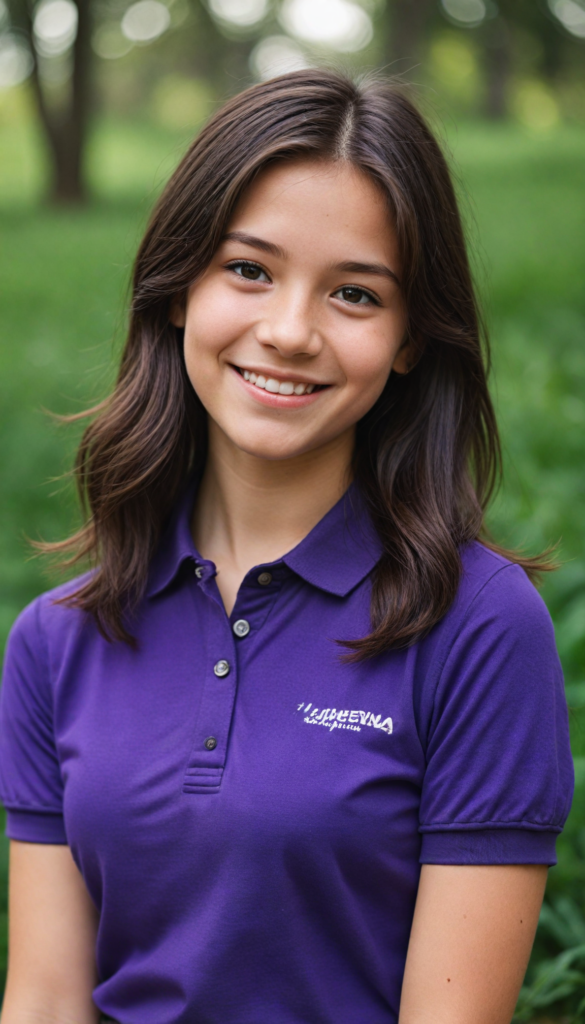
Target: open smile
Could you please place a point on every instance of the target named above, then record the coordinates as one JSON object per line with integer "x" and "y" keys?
{"x": 278, "y": 385}
{"x": 279, "y": 391}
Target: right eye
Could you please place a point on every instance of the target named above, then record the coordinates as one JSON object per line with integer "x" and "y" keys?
{"x": 249, "y": 271}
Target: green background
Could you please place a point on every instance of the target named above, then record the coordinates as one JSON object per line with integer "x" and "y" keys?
{"x": 64, "y": 277}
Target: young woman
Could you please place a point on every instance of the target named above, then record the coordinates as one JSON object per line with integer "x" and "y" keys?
{"x": 295, "y": 674}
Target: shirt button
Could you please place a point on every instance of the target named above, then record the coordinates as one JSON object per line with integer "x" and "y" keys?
{"x": 211, "y": 743}
{"x": 265, "y": 578}
{"x": 221, "y": 669}
{"x": 241, "y": 627}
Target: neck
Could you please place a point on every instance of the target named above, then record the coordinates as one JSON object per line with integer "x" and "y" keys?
{"x": 250, "y": 510}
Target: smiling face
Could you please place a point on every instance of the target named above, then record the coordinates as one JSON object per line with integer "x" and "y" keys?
{"x": 293, "y": 329}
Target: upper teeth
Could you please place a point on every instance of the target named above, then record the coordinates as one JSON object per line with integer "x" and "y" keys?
{"x": 285, "y": 387}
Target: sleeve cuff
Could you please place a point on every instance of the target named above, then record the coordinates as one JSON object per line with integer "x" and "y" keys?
{"x": 35, "y": 826}
{"x": 489, "y": 846}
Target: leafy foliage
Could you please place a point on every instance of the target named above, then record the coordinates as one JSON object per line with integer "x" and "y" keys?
{"x": 65, "y": 276}
{"x": 559, "y": 980}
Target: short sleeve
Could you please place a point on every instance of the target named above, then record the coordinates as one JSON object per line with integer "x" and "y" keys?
{"x": 499, "y": 778}
{"x": 31, "y": 787}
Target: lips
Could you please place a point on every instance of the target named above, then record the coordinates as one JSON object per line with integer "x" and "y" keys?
{"x": 276, "y": 386}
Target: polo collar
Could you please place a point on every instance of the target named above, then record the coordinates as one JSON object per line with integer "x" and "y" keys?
{"x": 341, "y": 549}
{"x": 335, "y": 556}
{"x": 176, "y": 546}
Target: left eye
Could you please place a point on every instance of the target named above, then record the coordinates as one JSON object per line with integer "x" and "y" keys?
{"x": 356, "y": 296}
{"x": 249, "y": 271}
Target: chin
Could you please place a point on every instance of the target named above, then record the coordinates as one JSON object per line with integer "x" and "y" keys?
{"x": 273, "y": 452}
{"x": 271, "y": 447}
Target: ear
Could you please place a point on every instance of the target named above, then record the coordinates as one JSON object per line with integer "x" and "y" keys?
{"x": 406, "y": 357}
{"x": 178, "y": 312}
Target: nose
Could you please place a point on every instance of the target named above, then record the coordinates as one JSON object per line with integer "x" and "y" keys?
{"x": 290, "y": 324}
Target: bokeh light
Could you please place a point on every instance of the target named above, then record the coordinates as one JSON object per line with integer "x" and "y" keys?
{"x": 54, "y": 27}
{"x": 109, "y": 42}
{"x": 340, "y": 24}
{"x": 239, "y": 12}
{"x": 467, "y": 13}
{"x": 535, "y": 106}
{"x": 276, "y": 55}
{"x": 16, "y": 62}
{"x": 179, "y": 102}
{"x": 145, "y": 21}
{"x": 453, "y": 62}
{"x": 571, "y": 15}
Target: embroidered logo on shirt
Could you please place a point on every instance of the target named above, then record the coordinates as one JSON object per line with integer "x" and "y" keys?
{"x": 331, "y": 718}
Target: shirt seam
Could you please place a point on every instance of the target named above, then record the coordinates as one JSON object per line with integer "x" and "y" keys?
{"x": 46, "y": 665}
{"x": 43, "y": 636}
{"x": 513, "y": 824}
{"x": 561, "y": 812}
{"x": 11, "y": 805}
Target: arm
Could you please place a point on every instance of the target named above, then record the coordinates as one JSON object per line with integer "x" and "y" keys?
{"x": 52, "y": 932}
{"x": 470, "y": 942}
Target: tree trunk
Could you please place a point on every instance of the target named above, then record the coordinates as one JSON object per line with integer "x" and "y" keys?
{"x": 498, "y": 67}
{"x": 66, "y": 129}
{"x": 221, "y": 60}
{"x": 406, "y": 22}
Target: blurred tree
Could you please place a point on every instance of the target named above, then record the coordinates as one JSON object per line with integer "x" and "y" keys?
{"x": 65, "y": 116}
{"x": 406, "y": 25}
{"x": 214, "y": 50}
{"x": 512, "y": 30}
{"x": 65, "y": 106}
{"x": 219, "y": 56}
{"x": 498, "y": 63}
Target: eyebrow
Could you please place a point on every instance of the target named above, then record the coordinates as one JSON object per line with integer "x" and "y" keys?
{"x": 255, "y": 243}
{"x": 379, "y": 269}
{"x": 348, "y": 266}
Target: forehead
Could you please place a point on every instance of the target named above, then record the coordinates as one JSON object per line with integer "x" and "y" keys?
{"x": 321, "y": 204}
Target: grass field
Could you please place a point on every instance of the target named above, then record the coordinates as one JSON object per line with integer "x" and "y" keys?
{"x": 63, "y": 277}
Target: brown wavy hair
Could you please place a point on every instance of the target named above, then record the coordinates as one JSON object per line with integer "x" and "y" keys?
{"x": 427, "y": 455}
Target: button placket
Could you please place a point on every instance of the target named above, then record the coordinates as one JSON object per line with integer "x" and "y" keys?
{"x": 218, "y": 674}
{"x": 220, "y": 666}
{"x": 255, "y": 601}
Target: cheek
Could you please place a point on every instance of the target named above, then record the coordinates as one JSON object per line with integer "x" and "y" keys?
{"x": 367, "y": 360}
{"x": 202, "y": 344}
{"x": 214, "y": 320}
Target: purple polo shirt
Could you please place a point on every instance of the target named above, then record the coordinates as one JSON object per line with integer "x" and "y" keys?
{"x": 249, "y": 811}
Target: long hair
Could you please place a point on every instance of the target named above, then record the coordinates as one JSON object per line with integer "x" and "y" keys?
{"x": 427, "y": 454}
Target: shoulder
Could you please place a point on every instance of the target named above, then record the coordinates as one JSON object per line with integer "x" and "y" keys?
{"x": 498, "y": 637}
{"x": 46, "y": 622}
{"x": 493, "y": 723}
{"x": 498, "y": 629}
{"x": 496, "y": 591}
